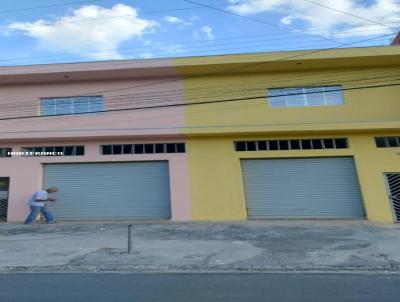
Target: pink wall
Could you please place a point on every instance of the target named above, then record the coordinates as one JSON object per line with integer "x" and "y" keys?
{"x": 131, "y": 87}
{"x": 26, "y": 173}
{"x": 123, "y": 84}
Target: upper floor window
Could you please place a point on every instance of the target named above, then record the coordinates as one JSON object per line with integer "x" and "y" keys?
{"x": 305, "y": 96}
{"x": 71, "y": 105}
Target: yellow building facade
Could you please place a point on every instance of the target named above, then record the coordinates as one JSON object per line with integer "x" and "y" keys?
{"x": 235, "y": 107}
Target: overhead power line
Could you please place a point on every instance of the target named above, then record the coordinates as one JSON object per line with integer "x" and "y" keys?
{"x": 203, "y": 92}
{"x": 166, "y": 100}
{"x": 198, "y": 5}
{"x": 349, "y": 14}
{"x": 115, "y": 17}
{"x": 232, "y": 13}
{"x": 287, "y": 28}
{"x": 234, "y": 69}
{"x": 46, "y": 6}
{"x": 90, "y": 50}
{"x": 227, "y": 70}
{"x": 312, "y": 2}
{"x": 165, "y": 47}
{"x": 77, "y": 122}
{"x": 162, "y": 54}
{"x": 198, "y": 127}
{"x": 123, "y": 62}
{"x": 259, "y": 63}
{"x": 206, "y": 102}
{"x": 158, "y": 49}
{"x": 329, "y": 78}
{"x": 130, "y": 15}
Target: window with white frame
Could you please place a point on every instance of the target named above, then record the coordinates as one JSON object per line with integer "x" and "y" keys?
{"x": 71, "y": 105}
{"x": 305, "y": 96}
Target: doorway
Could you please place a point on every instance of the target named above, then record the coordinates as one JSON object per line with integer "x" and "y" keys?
{"x": 4, "y": 186}
{"x": 393, "y": 183}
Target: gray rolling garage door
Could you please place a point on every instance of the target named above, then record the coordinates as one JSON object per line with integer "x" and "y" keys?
{"x": 302, "y": 188}
{"x": 110, "y": 191}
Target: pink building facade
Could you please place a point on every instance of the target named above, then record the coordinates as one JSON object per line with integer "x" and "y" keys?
{"x": 122, "y": 85}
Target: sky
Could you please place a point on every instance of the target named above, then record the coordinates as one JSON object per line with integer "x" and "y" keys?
{"x": 55, "y": 31}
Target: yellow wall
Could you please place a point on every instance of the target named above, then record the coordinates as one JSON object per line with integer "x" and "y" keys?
{"x": 371, "y": 163}
{"x": 215, "y": 175}
{"x": 216, "y": 187}
{"x": 362, "y": 109}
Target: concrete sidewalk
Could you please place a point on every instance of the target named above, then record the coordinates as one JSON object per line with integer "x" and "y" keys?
{"x": 238, "y": 246}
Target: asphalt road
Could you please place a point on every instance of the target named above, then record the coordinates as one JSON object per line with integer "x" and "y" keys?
{"x": 232, "y": 287}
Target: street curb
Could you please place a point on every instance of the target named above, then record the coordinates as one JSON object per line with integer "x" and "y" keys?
{"x": 203, "y": 270}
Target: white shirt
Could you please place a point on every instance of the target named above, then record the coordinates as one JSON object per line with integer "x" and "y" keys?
{"x": 36, "y": 197}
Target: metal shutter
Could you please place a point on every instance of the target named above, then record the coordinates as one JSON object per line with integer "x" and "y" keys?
{"x": 302, "y": 188}
{"x": 110, "y": 191}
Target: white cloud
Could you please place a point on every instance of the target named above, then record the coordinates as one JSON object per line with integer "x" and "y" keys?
{"x": 92, "y": 29}
{"x": 172, "y": 19}
{"x": 314, "y": 17}
{"x": 208, "y": 30}
{"x": 176, "y": 20}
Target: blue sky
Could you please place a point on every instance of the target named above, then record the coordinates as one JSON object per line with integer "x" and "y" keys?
{"x": 49, "y": 31}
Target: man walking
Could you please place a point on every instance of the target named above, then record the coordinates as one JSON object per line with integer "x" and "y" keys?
{"x": 37, "y": 204}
